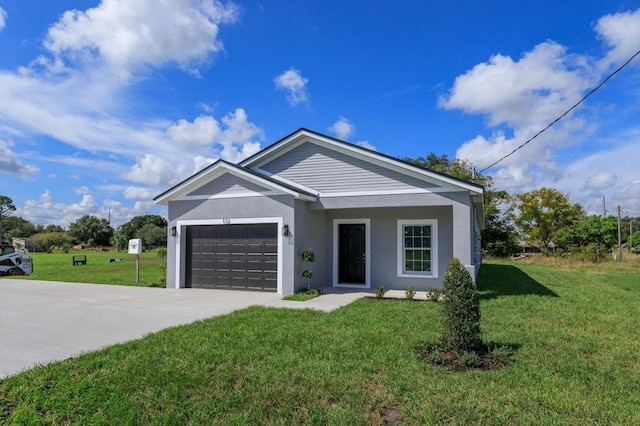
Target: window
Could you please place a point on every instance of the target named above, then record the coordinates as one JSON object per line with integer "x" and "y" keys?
{"x": 417, "y": 248}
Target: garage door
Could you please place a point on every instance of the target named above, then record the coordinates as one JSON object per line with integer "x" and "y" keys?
{"x": 243, "y": 257}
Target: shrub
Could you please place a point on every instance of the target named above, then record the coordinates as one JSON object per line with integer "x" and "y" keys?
{"x": 503, "y": 354}
{"x": 437, "y": 357}
{"x": 308, "y": 256}
{"x": 380, "y": 291}
{"x": 461, "y": 310}
{"x": 410, "y": 293}
{"x": 434, "y": 294}
{"x": 470, "y": 359}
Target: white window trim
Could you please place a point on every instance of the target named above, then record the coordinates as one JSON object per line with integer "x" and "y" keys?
{"x": 434, "y": 248}
{"x": 181, "y": 241}
{"x": 367, "y": 250}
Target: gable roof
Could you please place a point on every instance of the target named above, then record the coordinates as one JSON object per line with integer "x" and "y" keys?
{"x": 221, "y": 167}
{"x": 292, "y": 140}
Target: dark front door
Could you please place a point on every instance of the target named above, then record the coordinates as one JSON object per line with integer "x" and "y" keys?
{"x": 351, "y": 253}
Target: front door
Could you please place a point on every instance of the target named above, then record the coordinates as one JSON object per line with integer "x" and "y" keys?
{"x": 352, "y": 253}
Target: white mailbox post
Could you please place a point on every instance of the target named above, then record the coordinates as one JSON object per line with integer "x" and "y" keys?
{"x": 135, "y": 247}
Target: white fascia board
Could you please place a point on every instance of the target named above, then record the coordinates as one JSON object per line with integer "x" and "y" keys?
{"x": 217, "y": 171}
{"x": 396, "y": 165}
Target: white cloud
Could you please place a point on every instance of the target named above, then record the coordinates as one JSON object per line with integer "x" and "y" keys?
{"x": 536, "y": 89}
{"x": 601, "y": 180}
{"x": 342, "y": 128}
{"x": 130, "y": 34}
{"x": 234, "y": 140}
{"x": 10, "y": 163}
{"x": 83, "y": 190}
{"x": 45, "y": 211}
{"x": 3, "y": 18}
{"x": 366, "y": 144}
{"x": 295, "y": 84}
{"x": 521, "y": 97}
{"x": 138, "y": 193}
{"x": 203, "y": 131}
{"x": 154, "y": 170}
{"x": 620, "y": 31}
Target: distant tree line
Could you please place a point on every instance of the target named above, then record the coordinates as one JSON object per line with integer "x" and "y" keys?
{"x": 544, "y": 218}
{"x": 88, "y": 230}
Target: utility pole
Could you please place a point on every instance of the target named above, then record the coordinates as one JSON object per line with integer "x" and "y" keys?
{"x": 619, "y": 236}
{"x": 604, "y": 208}
{"x": 630, "y": 232}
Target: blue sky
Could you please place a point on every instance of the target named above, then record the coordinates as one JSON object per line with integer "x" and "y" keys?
{"x": 104, "y": 105}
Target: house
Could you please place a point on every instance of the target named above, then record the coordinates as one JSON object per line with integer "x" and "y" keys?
{"x": 369, "y": 218}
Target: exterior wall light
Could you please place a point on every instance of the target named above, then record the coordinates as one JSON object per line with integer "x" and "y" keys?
{"x": 285, "y": 230}
{"x": 173, "y": 231}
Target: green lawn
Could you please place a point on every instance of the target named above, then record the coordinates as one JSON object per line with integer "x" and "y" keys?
{"x": 98, "y": 270}
{"x": 575, "y": 330}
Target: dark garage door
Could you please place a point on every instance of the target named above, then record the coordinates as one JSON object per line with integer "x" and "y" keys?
{"x": 243, "y": 257}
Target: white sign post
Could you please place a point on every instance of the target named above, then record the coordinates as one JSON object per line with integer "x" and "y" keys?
{"x": 135, "y": 247}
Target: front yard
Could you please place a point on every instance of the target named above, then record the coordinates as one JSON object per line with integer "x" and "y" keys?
{"x": 574, "y": 330}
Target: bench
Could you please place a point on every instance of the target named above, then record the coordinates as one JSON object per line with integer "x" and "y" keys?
{"x": 79, "y": 260}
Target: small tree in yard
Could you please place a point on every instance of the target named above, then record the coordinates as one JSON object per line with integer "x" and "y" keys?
{"x": 308, "y": 256}
{"x": 461, "y": 310}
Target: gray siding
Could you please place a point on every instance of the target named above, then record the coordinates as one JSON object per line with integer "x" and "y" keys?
{"x": 326, "y": 170}
{"x": 227, "y": 184}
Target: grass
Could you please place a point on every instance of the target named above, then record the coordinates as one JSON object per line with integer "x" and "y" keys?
{"x": 98, "y": 270}
{"x": 305, "y": 294}
{"x": 574, "y": 330}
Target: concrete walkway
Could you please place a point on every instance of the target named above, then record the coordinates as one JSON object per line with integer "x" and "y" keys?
{"x": 45, "y": 321}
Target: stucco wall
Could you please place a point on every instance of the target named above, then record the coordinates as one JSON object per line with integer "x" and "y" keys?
{"x": 384, "y": 243}
{"x": 232, "y": 208}
{"x": 310, "y": 234}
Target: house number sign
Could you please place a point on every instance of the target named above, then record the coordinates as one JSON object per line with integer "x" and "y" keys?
{"x": 226, "y": 221}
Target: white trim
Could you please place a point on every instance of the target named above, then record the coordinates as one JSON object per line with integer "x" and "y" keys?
{"x": 434, "y": 248}
{"x": 181, "y": 240}
{"x": 367, "y": 252}
{"x": 216, "y": 170}
{"x": 388, "y": 192}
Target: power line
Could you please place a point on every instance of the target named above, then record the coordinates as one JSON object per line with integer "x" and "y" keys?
{"x": 602, "y": 83}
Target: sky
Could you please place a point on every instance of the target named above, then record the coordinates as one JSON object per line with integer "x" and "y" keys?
{"x": 106, "y": 104}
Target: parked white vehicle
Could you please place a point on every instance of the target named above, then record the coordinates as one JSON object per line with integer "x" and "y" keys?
{"x": 15, "y": 262}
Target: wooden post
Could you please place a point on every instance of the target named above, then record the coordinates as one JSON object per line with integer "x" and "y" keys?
{"x": 137, "y": 268}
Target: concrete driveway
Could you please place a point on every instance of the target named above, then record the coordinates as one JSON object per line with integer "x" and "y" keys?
{"x": 45, "y": 321}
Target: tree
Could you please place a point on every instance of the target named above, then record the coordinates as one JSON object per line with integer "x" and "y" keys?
{"x": 152, "y": 235}
{"x": 499, "y": 236}
{"x": 461, "y": 310}
{"x": 589, "y": 230}
{"x": 635, "y": 240}
{"x": 53, "y": 228}
{"x": 6, "y": 208}
{"x": 591, "y": 237}
{"x": 15, "y": 226}
{"x": 91, "y": 230}
{"x": 130, "y": 229}
{"x": 539, "y": 214}
{"x": 50, "y": 240}
{"x": 461, "y": 169}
